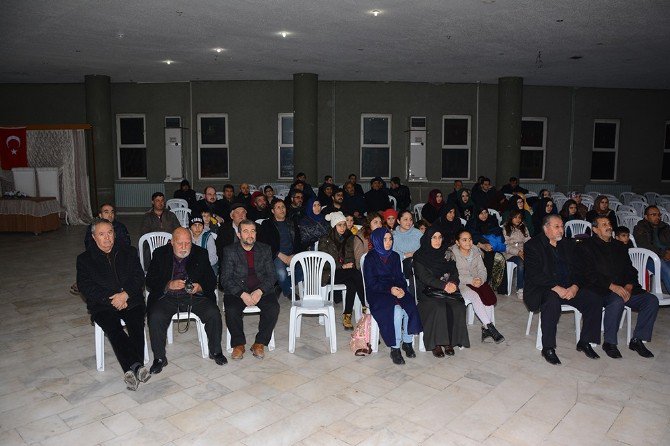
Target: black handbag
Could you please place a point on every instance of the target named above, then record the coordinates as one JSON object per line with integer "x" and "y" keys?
{"x": 438, "y": 293}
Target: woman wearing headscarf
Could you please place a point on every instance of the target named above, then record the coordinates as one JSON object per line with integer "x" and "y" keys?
{"x": 362, "y": 242}
{"x": 516, "y": 235}
{"x": 449, "y": 224}
{"x": 518, "y": 202}
{"x": 391, "y": 303}
{"x": 313, "y": 225}
{"x": 465, "y": 206}
{"x": 601, "y": 208}
{"x": 432, "y": 210}
{"x": 443, "y": 318}
{"x": 543, "y": 207}
{"x": 488, "y": 237}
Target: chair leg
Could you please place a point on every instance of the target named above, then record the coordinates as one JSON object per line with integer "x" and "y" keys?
{"x": 333, "y": 337}
{"x": 358, "y": 309}
{"x": 471, "y": 314}
{"x": 511, "y": 266}
{"x": 202, "y": 337}
{"x": 530, "y": 322}
{"x": 578, "y": 325}
{"x": 422, "y": 346}
{"x": 229, "y": 349}
{"x": 292, "y": 325}
{"x": 629, "y": 313}
{"x": 374, "y": 335}
{"x": 538, "y": 340}
{"x": 99, "y": 348}
{"x": 170, "y": 335}
{"x": 298, "y": 325}
{"x": 146, "y": 348}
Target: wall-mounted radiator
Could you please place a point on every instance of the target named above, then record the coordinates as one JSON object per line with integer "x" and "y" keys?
{"x": 136, "y": 195}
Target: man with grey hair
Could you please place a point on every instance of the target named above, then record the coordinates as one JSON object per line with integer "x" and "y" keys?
{"x": 110, "y": 278}
{"x": 553, "y": 278}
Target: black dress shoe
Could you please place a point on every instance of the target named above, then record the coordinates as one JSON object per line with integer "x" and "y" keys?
{"x": 449, "y": 350}
{"x": 438, "y": 352}
{"x": 611, "y": 350}
{"x": 218, "y": 358}
{"x": 490, "y": 331}
{"x": 396, "y": 356}
{"x": 408, "y": 349}
{"x": 158, "y": 365}
{"x": 583, "y": 346}
{"x": 550, "y": 355}
{"x": 638, "y": 346}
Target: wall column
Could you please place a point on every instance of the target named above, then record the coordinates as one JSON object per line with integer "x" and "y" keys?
{"x": 305, "y": 124}
{"x": 99, "y": 115}
{"x": 510, "y": 98}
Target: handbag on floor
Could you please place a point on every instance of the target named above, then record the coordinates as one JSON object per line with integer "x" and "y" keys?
{"x": 360, "y": 338}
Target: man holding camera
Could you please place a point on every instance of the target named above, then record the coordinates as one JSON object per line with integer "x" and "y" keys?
{"x": 180, "y": 279}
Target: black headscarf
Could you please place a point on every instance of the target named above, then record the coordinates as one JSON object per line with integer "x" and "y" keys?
{"x": 432, "y": 258}
{"x": 447, "y": 228}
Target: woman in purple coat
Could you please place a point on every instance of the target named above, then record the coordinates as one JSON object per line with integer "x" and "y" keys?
{"x": 391, "y": 303}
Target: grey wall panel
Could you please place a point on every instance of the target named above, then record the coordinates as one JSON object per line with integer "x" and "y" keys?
{"x": 42, "y": 104}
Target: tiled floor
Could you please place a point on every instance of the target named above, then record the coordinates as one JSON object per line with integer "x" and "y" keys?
{"x": 51, "y": 393}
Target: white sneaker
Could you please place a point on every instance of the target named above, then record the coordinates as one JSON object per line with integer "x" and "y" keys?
{"x": 519, "y": 293}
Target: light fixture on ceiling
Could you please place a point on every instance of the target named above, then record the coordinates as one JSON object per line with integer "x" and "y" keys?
{"x": 168, "y": 62}
{"x": 219, "y": 50}
{"x": 284, "y": 34}
{"x": 375, "y": 12}
{"x": 120, "y": 35}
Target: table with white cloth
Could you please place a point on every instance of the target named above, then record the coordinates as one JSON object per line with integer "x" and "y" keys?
{"x": 32, "y": 214}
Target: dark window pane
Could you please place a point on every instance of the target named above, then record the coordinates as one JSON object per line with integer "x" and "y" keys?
{"x": 132, "y": 130}
{"x": 531, "y": 164}
{"x": 455, "y": 163}
{"x": 455, "y": 133}
{"x": 287, "y": 130}
{"x": 133, "y": 162}
{"x": 375, "y": 131}
{"x": 602, "y": 165}
{"x": 532, "y": 133}
{"x": 667, "y": 136}
{"x": 666, "y": 166}
{"x": 173, "y": 122}
{"x": 604, "y": 135}
{"x": 375, "y": 162}
{"x": 213, "y": 130}
{"x": 214, "y": 162}
{"x": 286, "y": 162}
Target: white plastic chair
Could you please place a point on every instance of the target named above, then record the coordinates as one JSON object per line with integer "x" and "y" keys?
{"x": 417, "y": 210}
{"x": 577, "y": 227}
{"x": 511, "y": 266}
{"x": 183, "y": 214}
{"x": 665, "y": 216}
{"x": 199, "y": 327}
{"x": 626, "y": 196}
{"x": 175, "y": 203}
{"x": 651, "y": 197}
{"x": 639, "y": 206}
{"x": 592, "y": 194}
{"x": 219, "y": 195}
{"x": 632, "y": 240}
{"x": 621, "y": 214}
{"x": 155, "y": 240}
{"x": 496, "y": 214}
{"x": 626, "y": 208}
{"x": 639, "y": 257}
{"x": 314, "y": 299}
{"x": 630, "y": 221}
{"x": 559, "y": 202}
{"x": 199, "y": 196}
{"x": 564, "y": 308}
{"x": 100, "y": 347}
{"x": 531, "y": 194}
{"x": 464, "y": 222}
{"x": 394, "y": 202}
{"x": 253, "y": 309}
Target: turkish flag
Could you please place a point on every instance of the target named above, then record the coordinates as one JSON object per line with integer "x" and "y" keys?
{"x": 13, "y": 151}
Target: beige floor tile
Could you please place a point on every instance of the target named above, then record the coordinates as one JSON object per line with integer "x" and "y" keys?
{"x": 638, "y": 427}
{"x": 42, "y": 429}
{"x": 198, "y": 417}
{"x": 122, "y": 423}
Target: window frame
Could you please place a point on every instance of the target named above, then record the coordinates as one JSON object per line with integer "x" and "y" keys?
{"x": 375, "y": 146}
{"x": 467, "y": 146}
{"x": 212, "y": 146}
{"x": 281, "y": 145}
{"x": 537, "y": 149}
{"x": 606, "y": 150}
{"x": 119, "y": 146}
{"x": 665, "y": 143}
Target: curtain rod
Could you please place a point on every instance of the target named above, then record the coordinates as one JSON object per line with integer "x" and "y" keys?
{"x": 59, "y": 127}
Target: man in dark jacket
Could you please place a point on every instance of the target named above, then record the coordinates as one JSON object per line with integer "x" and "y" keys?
{"x": 110, "y": 278}
{"x": 158, "y": 219}
{"x": 227, "y": 234}
{"x": 513, "y": 187}
{"x": 186, "y": 193}
{"x": 654, "y": 234}
{"x": 552, "y": 279}
{"x": 180, "y": 279}
{"x": 376, "y": 199}
{"x": 217, "y": 208}
{"x": 609, "y": 272}
{"x": 248, "y": 278}
{"x": 401, "y": 193}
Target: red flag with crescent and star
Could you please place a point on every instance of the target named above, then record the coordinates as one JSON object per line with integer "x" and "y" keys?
{"x": 13, "y": 151}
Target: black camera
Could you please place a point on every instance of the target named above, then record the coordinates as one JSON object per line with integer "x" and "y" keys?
{"x": 189, "y": 286}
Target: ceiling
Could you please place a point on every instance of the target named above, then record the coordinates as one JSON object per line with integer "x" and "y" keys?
{"x": 593, "y": 43}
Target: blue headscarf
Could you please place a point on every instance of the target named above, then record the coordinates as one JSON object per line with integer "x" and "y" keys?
{"x": 377, "y": 238}
{"x": 309, "y": 211}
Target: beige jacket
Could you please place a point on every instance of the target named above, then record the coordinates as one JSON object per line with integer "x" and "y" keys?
{"x": 468, "y": 267}
{"x": 514, "y": 242}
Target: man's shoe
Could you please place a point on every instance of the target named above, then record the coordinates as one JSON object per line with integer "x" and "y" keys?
{"x": 583, "y": 346}
{"x": 142, "y": 374}
{"x": 132, "y": 383}
{"x": 396, "y": 356}
{"x": 437, "y": 351}
{"x": 238, "y": 352}
{"x": 611, "y": 350}
{"x": 550, "y": 355}
{"x": 258, "y": 350}
{"x": 449, "y": 350}
{"x": 158, "y": 365}
{"x": 346, "y": 321}
{"x": 218, "y": 358}
{"x": 638, "y": 346}
{"x": 408, "y": 348}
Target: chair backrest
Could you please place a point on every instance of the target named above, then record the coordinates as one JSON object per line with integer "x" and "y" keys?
{"x": 260, "y": 221}
{"x": 577, "y": 227}
{"x": 639, "y": 206}
{"x": 651, "y": 197}
{"x": 557, "y": 194}
{"x": 199, "y": 196}
{"x": 614, "y": 205}
{"x": 640, "y": 257}
{"x": 621, "y": 214}
{"x": 312, "y": 264}
{"x": 630, "y": 221}
{"x": 464, "y": 222}
{"x": 394, "y": 202}
{"x": 559, "y": 202}
{"x": 154, "y": 240}
{"x": 626, "y": 208}
{"x": 531, "y": 194}
{"x": 174, "y": 203}
{"x": 632, "y": 240}
{"x": 219, "y": 195}
{"x": 183, "y": 215}
{"x": 496, "y": 214}
{"x": 593, "y": 194}
{"x": 665, "y": 216}
{"x": 626, "y": 196}
{"x": 417, "y": 210}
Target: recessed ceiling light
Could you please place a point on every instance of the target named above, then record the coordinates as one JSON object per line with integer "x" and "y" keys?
{"x": 559, "y": 21}
{"x": 219, "y": 50}
{"x": 375, "y": 12}
{"x": 120, "y": 35}
{"x": 168, "y": 62}
{"x": 575, "y": 57}
{"x": 284, "y": 34}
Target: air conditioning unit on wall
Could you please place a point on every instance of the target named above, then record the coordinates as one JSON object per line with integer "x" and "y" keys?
{"x": 417, "y": 149}
{"x": 173, "y": 149}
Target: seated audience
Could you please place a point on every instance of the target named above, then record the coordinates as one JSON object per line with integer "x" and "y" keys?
{"x": 210, "y": 223}
{"x": 582, "y": 210}
{"x": 217, "y": 208}
{"x": 244, "y": 195}
{"x": 453, "y": 196}
{"x": 307, "y": 189}
{"x": 519, "y": 202}
{"x": 351, "y": 224}
{"x": 449, "y": 224}
{"x": 553, "y": 278}
{"x": 543, "y": 207}
{"x": 473, "y": 285}
{"x": 401, "y": 193}
{"x": 654, "y": 234}
{"x": 158, "y": 219}
{"x": 336, "y": 203}
{"x": 465, "y": 206}
{"x": 433, "y": 209}
{"x": 609, "y": 273}
{"x": 422, "y": 225}
{"x": 406, "y": 238}
{"x": 248, "y": 278}
{"x": 601, "y": 208}
{"x": 488, "y": 237}
{"x": 339, "y": 243}
{"x": 376, "y": 199}
{"x": 227, "y": 201}
{"x": 513, "y": 187}
{"x": 569, "y": 212}
{"x": 313, "y": 225}
{"x": 362, "y": 243}
{"x": 294, "y": 205}
{"x": 259, "y": 207}
{"x": 391, "y": 303}
{"x": 354, "y": 203}
{"x": 186, "y": 193}
{"x": 516, "y": 235}
{"x": 484, "y": 195}
{"x": 110, "y": 278}
{"x": 228, "y": 231}
{"x": 622, "y": 234}
{"x": 180, "y": 279}
{"x": 204, "y": 239}
{"x": 390, "y": 217}
{"x": 269, "y": 193}
{"x": 325, "y": 195}
{"x": 441, "y": 305}
{"x": 353, "y": 179}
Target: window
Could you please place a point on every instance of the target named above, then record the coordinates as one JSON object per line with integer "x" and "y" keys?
{"x": 533, "y": 147}
{"x": 605, "y": 144}
{"x": 375, "y": 146}
{"x": 213, "y": 146}
{"x": 132, "y": 146}
{"x": 285, "y": 139}
{"x": 665, "y": 175}
{"x": 456, "y": 146}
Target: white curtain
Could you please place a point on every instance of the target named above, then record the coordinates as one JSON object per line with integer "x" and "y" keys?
{"x": 65, "y": 149}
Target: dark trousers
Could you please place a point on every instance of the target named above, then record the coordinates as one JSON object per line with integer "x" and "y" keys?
{"x": 160, "y": 315}
{"x": 647, "y": 306}
{"x": 235, "y": 306}
{"x": 128, "y": 348}
{"x": 587, "y": 302}
{"x": 353, "y": 279}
